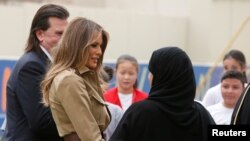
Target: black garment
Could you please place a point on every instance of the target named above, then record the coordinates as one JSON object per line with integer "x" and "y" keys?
{"x": 241, "y": 113}
{"x": 27, "y": 118}
{"x": 170, "y": 112}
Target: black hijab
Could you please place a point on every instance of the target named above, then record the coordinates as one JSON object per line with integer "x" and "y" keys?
{"x": 169, "y": 113}
{"x": 173, "y": 86}
{"x": 173, "y": 89}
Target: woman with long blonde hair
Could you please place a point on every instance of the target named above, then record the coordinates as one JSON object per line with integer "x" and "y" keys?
{"x": 72, "y": 85}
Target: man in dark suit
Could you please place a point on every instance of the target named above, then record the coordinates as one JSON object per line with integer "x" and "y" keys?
{"x": 27, "y": 118}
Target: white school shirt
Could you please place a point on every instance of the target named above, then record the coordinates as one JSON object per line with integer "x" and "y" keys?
{"x": 221, "y": 114}
{"x": 126, "y": 100}
{"x": 212, "y": 96}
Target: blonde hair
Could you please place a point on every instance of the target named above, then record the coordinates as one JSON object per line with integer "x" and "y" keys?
{"x": 72, "y": 50}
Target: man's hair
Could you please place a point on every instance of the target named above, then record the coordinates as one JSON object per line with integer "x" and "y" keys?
{"x": 234, "y": 75}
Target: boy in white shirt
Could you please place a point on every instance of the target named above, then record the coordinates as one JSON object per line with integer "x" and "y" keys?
{"x": 232, "y": 85}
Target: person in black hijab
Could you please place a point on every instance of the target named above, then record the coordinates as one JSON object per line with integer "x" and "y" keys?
{"x": 170, "y": 112}
{"x": 241, "y": 113}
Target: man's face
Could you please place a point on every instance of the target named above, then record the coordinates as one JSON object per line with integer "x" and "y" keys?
{"x": 50, "y": 37}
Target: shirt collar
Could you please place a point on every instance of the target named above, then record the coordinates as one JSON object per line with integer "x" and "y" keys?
{"x": 46, "y": 52}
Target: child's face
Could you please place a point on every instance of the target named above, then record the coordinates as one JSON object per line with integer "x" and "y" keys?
{"x": 126, "y": 75}
{"x": 231, "y": 90}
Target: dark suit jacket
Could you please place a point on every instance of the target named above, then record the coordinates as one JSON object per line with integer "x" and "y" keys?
{"x": 27, "y": 118}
